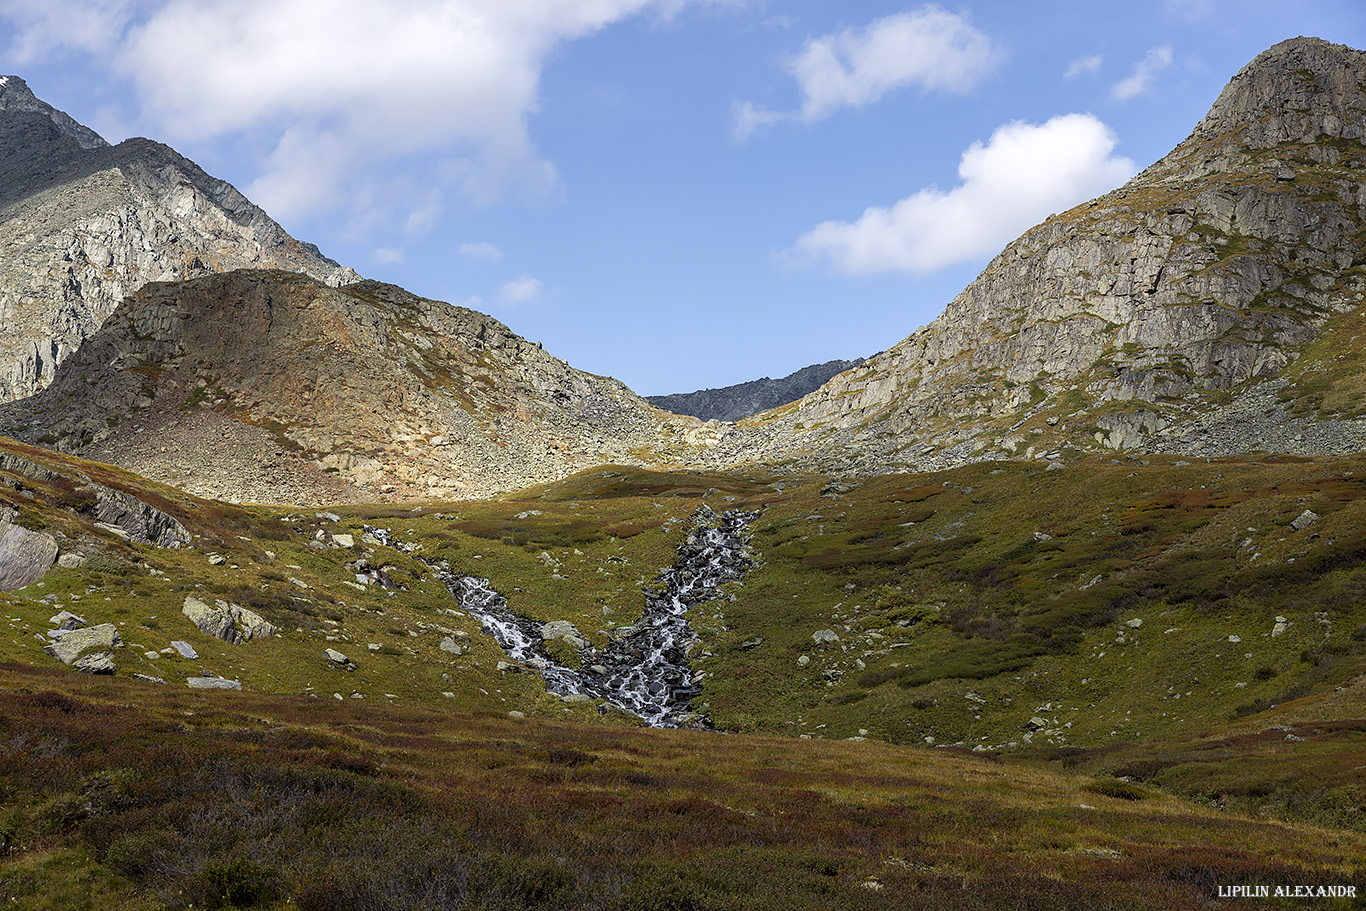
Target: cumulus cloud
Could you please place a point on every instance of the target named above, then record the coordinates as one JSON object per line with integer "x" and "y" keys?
{"x": 929, "y": 47}
{"x": 1143, "y": 74}
{"x": 521, "y": 290}
{"x": 1017, "y": 178}
{"x": 1082, "y": 65}
{"x": 337, "y": 87}
{"x": 481, "y": 250}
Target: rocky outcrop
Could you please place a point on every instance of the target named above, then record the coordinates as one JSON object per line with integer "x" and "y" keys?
{"x": 270, "y": 386}
{"x": 77, "y": 642}
{"x": 1105, "y": 324}
{"x": 120, "y": 512}
{"x": 730, "y": 403}
{"x": 225, "y": 621}
{"x": 25, "y": 556}
{"x": 83, "y": 224}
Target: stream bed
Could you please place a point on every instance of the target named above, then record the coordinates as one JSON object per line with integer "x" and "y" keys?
{"x": 644, "y": 669}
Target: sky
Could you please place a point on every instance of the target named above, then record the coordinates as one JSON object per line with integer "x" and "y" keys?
{"x": 681, "y": 194}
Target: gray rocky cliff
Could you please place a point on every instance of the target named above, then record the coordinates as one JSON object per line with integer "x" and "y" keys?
{"x": 1106, "y": 324}
{"x": 730, "y": 403}
{"x": 84, "y": 224}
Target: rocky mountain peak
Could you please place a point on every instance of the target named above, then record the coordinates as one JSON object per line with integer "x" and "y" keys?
{"x": 1300, "y": 90}
{"x": 1118, "y": 323}
{"x": 84, "y": 224}
{"x": 17, "y": 98}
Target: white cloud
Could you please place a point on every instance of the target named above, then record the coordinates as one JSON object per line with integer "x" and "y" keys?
{"x": 43, "y": 26}
{"x": 750, "y": 118}
{"x": 929, "y": 48}
{"x": 1020, "y": 176}
{"x": 481, "y": 250}
{"x": 388, "y": 255}
{"x": 521, "y": 290}
{"x": 425, "y": 216}
{"x": 1082, "y": 65}
{"x": 337, "y": 88}
{"x": 1144, "y": 72}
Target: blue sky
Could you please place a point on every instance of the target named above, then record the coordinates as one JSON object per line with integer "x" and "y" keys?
{"x": 678, "y": 193}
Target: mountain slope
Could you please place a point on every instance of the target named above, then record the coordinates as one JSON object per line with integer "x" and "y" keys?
{"x": 83, "y": 224}
{"x": 1209, "y": 271}
{"x": 730, "y": 403}
{"x": 273, "y": 387}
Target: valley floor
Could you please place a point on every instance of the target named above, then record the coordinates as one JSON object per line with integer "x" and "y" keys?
{"x": 1122, "y": 683}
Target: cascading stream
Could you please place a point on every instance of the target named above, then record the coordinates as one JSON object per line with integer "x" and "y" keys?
{"x": 647, "y": 670}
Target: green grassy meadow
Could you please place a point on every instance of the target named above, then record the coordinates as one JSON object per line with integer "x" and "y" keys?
{"x": 1032, "y": 689}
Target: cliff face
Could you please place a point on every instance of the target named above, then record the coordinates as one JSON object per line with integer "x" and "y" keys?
{"x": 730, "y": 403}
{"x": 1111, "y": 322}
{"x": 84, "y": 224}
{"x": 273, "y": 387}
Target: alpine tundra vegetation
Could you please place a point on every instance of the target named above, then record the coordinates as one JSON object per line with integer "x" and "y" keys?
{"x": 318, "y": 594}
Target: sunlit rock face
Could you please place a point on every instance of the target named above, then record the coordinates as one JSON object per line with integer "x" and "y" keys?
{"x": 1208, "y": 271}
{"x": 83, "y": 224}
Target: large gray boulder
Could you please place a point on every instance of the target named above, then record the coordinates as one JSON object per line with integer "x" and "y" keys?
{"x": 228, "y": 622}
{"x": 563, "y": 629}
{"x": 25, "y": 556}
{"x": 77, "y": 642}
{"x": 212, "y": 683}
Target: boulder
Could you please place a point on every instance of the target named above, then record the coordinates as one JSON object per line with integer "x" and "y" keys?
{"x": 450, "y": 645}
{"x": 1304, "y": 520}
{"x": 563, "y": 629}
{"x": 227, "y": 621}
{"x": 75, "y": 643}
{"x": 184, "y": 649}
{"x": 25, "y": 556}
{"x": 212, "y": 683}
{"x": 71, "y": 561}
{"x": 66, "y": 620}
{"x": 335, "y": 656}
{"x": 822, "y": 636}
{"x": 95, "y": 663}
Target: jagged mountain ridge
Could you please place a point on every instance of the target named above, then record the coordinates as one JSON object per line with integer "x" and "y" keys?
{"x": 83, "y": 224}
{"x": 270, "y": 386}
{"x": 730, "y": 403}
{"x": 1131, "y": 314}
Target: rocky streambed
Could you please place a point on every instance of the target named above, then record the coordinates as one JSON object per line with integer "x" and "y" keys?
{"x": 643, "y": 669}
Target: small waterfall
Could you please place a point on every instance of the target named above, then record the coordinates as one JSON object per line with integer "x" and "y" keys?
{"x": 646, "y": 668}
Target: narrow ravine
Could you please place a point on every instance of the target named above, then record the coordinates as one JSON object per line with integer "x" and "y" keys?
{"x": 645, "y": 670}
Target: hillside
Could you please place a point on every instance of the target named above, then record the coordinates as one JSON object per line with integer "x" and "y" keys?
{"x": 730, "y": 403}
{"x": 83, "y": 224}
{"x": 270, "y": 386}
{"x": 1125, "y": 322}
